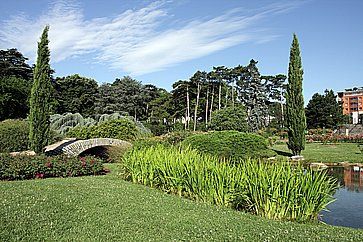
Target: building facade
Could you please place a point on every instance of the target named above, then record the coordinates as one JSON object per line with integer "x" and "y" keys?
{"x": 352, "y": 101}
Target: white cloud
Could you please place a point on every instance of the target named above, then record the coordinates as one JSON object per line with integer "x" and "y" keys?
{"x": 132, "y": 41}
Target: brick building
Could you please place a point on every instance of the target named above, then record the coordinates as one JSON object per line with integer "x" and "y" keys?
{"x": 352, "y": 101}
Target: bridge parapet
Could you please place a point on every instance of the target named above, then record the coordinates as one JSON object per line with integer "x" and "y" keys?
{"x": 73, "y": 147}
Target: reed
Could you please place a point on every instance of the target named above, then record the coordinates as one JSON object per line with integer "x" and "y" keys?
{"x": 286, "y": 192}
{"x": 273, "y": 190}
{"x": 184, "y": 172}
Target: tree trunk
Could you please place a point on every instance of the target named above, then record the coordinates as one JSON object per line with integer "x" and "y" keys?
{"x": 282, "y": 111}
{"x": 188, "y": 108}
{"x": 211, "y": 105}
{"x": 206, "y": 109}
{"x": 226, "y": 105}
{"x": 196, "y": 108}
{"x": 232, "y": 95}
{"x": 219, "y": 96}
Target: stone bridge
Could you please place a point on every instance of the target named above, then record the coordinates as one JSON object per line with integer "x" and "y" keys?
{"x": 74, "y": 147}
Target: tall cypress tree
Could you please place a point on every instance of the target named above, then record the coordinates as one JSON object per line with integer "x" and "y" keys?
{"x": 40, "y": 97}
{"x": 295, "y": 112}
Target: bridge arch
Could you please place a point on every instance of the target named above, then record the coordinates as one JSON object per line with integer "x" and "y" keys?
{"x": 74, "y": 147}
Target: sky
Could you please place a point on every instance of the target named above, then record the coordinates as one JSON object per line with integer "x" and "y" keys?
{"x": 160, "y": 42}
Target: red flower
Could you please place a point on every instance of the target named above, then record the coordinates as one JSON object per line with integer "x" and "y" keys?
{"x": 39, "y": 175}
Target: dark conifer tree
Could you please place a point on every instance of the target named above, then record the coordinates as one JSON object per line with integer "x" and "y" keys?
{"x": 295, "y": 112}
{"x": 40, "y": 97}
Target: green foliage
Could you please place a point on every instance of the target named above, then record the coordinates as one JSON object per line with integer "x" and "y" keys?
{"x": 253, "y": 94}
{"x": 13, "y": 63}
{"x": 30, "y": 167}
{"x": 276, "y": 191}
{"x": 295, "y": 112}
{"x": 323, "y": 111}
{"x": 123, "y": 129}
{"x": 231, "y": 118}
{"x": 126, "y": 95}
{"x": 64, "y": 123}
{"x": 14, "y": 135}
{"x": 149, "y": 142}
{"x": 232, "y": 145}
{"x": 115, "y": 153}
{"x": 14, "y": 94}
{"x": 176, "y": 137}
{"x": 76, "y": 94}
{"x": 41, "y": 97}
{"x": 285, "y": 192}
{"x": 184, "y": 172}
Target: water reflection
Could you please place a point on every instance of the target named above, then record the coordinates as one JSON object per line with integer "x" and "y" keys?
{"x": 347, "y": 210}
{"x": 351, "y": 177}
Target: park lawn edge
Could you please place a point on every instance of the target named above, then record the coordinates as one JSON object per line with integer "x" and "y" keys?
{"x": 326, "y": 153}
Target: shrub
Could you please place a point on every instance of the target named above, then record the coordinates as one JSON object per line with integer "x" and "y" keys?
{"x": 30, "y": 167}
{"x": 176, "y": 137}
{"x": 64, "y": 123}
{"x": 233, "y": 145}
{"x": 231, "y": 118}
{"x": 14, "y": 135}
{"x": 273, "y": 190}
{"x": 122, "y": 129}
{"x": 149, "y": 142}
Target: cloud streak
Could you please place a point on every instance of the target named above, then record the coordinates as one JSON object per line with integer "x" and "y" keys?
{"x": 133, "y": 40}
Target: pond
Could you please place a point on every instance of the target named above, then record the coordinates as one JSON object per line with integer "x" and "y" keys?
{"x": 347, "y": 209}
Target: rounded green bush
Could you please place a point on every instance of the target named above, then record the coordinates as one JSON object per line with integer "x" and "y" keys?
{"x": 231, "y": 118}
{"x": 233, "y": 145}
{"x": 123, "y": 129}
{"x": 14, "y": 135}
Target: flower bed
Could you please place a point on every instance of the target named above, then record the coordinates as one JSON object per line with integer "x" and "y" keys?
{"x": 334, "y": 138}
{"x": 30, "y": 167}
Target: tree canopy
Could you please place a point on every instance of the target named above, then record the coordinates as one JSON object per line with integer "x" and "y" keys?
{"x": 40, "y": 100}
{"x": 295, "y": 113}
{"x": 324, "y": 111}
{"x": 76, "y": 94}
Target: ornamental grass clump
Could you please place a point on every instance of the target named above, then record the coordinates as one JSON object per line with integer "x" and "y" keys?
{"x": 277, "y": 190}
{"x": 285, "y": 192}
{"x": 184, "y": 172}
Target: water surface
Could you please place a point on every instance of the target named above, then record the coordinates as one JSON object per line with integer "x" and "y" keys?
{"x": 347, "y": 209}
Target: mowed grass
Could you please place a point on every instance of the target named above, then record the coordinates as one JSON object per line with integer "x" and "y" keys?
{"x": 318, "y": 152}
{"x": 106, "y": 208}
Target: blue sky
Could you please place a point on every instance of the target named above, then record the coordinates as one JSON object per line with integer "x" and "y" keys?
{"x": 160, "y": 42}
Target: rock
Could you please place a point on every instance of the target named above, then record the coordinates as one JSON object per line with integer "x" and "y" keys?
{"x": 297, "y": 158}
{"x": 317, "y": 165}
{"x": 26, "y": 152}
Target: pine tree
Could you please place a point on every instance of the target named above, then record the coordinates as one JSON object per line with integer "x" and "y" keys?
{"x": 295, "y": 113}
{"x": 40, "y": 97}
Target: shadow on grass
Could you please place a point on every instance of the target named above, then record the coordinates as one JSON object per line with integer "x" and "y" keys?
{"x": 283, "y": 153}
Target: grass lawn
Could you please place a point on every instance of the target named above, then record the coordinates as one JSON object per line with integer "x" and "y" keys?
{"x": 108, "y": 208}
{"x": 318, "y": 152}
